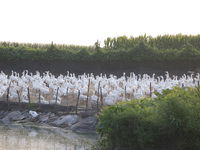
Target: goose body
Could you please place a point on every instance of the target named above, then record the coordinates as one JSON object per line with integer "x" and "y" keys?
{"x": 93, "y": 97}
{"x": 111, "y": 87}
{"x": 109, "y": 100}
{"x": 44, "y": 102}
{"x": 54, "y": 102}
{"x": 83, "y": 98}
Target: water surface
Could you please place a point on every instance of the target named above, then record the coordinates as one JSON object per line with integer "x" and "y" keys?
{"x": 32, "y": 137}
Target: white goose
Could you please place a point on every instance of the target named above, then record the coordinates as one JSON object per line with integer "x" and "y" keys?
{"x": 82, "y": 98}
{"x": 93, "y": 97}
{"x": 109, "y": 100}
{"x": 24, "y": 99}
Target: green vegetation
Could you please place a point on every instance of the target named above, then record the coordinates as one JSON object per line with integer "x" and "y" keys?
{"x": 172, "y": 120}
{"x": 31, "y": 106}
{"x": 143, "y": 48}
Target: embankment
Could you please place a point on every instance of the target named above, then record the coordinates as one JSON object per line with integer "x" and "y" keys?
{"x": 117, "y": 68}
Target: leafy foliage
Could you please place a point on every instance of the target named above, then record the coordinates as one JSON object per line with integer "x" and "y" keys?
{"x": 161, "y": 42}
{"x": 172, "y": 120}
{"x": 143, "y": 48}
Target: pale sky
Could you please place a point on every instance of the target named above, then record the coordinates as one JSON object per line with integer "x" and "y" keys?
{"x": 82, "y": 22}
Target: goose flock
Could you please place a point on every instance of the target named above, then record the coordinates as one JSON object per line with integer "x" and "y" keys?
{"x": 48, "y": 88}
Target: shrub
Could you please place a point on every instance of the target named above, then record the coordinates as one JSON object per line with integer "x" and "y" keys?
{"x": 172, "y": 120}
{"x": 128, "y": 124}
{"x": 179, "y": 118}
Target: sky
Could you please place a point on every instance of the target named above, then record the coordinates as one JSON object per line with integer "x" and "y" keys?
{"x": 83, "y": 22}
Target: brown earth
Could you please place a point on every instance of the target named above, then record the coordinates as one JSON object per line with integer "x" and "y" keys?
{"x": 117, "y": 68}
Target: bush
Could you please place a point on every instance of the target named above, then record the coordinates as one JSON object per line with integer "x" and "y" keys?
{"x": 128, "y": 124}
{"x": 172, "y": 120}
{"x": 179, "y": 118}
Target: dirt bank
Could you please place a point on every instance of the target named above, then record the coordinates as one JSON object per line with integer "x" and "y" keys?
{"x": 117, "y": 68}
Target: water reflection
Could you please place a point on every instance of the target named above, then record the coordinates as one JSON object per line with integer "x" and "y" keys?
{"x": 18, "y": 137}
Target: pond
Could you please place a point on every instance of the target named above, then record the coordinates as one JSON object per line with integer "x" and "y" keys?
{"x": 31, "y": 137}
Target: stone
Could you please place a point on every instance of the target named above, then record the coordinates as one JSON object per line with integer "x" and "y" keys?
{"x": 22, "y": 121}
{"x": 3, "y": 114}
{"x": 85, "y": 125}
{"x": 70, "y": 122}
{"x": 52, "y": 116}
{"x": 72, "y": 119}
{"x": 15, "y": 115}
{"x": 43, "y": 118}
{"x": 90, "y": 120}
{"x": 24, "y": 115}
{"x": 67, "y": 120}
{"x": 6, "y": 120}
{"x": 12, "y": 116}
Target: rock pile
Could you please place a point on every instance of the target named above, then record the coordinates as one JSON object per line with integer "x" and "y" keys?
{"x": 79, "y": 123}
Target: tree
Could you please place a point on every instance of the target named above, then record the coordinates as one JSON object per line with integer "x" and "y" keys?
{"x": 97, "y": 45}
